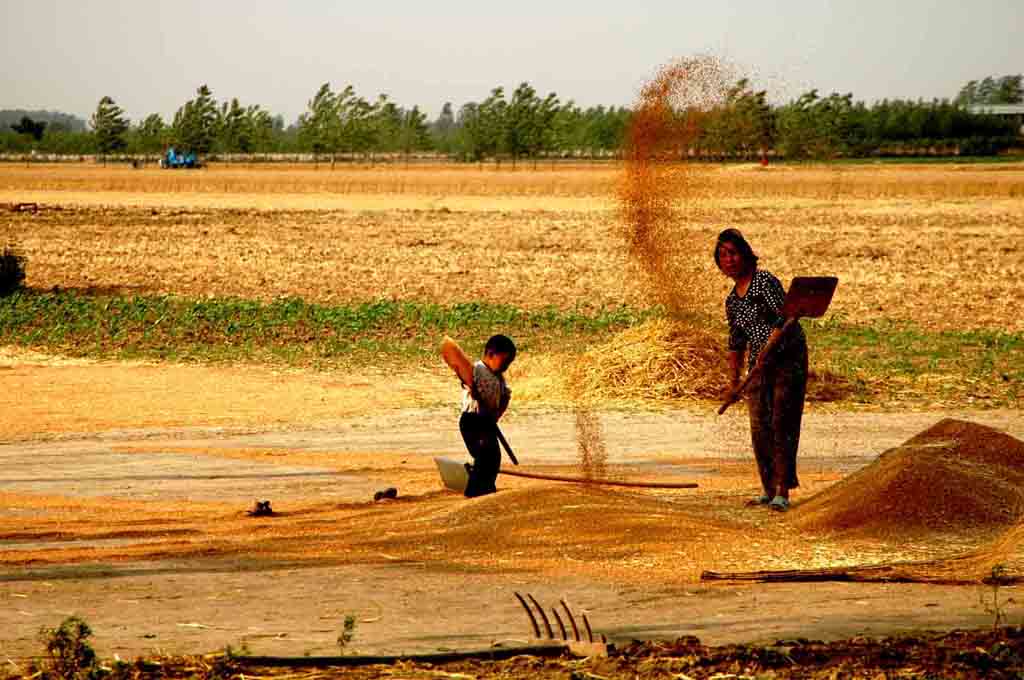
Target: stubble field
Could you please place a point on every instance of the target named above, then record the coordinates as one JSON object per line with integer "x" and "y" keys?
{"x": 938, "y": 246}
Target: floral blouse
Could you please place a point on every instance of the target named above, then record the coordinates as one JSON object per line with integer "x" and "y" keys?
{"x": 753, "y": 316}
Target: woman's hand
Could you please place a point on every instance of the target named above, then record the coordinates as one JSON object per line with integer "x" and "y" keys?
{"x": 762, "y": 361}
{"x": 731, "y": 393}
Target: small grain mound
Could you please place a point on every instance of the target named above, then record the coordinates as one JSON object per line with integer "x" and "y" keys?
{"x": 658, "y": 360}
{"x": 596, "y": 530}
{"x": 955, "y": 476}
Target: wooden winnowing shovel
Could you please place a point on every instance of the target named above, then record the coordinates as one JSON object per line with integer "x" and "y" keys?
{"x": 807, "y": 296}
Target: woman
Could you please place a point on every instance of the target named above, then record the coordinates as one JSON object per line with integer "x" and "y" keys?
{"x": 775, "y": 396}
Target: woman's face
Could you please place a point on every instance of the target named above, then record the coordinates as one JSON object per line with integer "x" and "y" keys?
{"x": 730, "y": 260}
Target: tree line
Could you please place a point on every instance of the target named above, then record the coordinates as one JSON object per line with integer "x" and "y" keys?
{"x": 524, "y": 125}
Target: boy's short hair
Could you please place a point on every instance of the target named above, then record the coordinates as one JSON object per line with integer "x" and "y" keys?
{"x": 501, "y": 344}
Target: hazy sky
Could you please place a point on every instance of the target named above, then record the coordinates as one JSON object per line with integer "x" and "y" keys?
{"x": 151, "y": 55}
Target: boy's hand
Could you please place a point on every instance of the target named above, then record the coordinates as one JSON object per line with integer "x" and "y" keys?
{"x": 457, "y": 360}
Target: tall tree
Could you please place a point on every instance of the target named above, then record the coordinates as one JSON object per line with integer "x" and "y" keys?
{"x": 443, "y": 129}
{"x": 987, "y": 90}
{"x": 968, "y": 94}
{"x": 1007, "y": 89}
{"x": 529, "y": 122}
{"x": 151, "y": 133}
{"x": 468, "y": 142}
{"x": 109, "y": 125}
{"x": 319, "y": 126}
{"x": 743, "y": 123}
{"x": 237, "y": 127}
{"x": 263, "y": 127}
{"x": 32, "y": 128}
{"x": 492, "y": 120}
{"x": 386, "y": 125}
{"x": 195, "y": 124}
{"x": 1010, "y": 90}
{"x": 414, "y": 134}
{"x": 796, "y": 128}
{"x": 356, "y": 121}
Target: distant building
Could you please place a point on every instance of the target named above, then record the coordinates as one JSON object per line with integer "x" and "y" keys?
{"x": 1012, "y": 111}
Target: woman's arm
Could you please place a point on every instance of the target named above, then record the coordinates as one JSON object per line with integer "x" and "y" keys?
{"x": 457, "y": 361}
{"x": 735, "y": 367}
{"x": 769, "y": 345}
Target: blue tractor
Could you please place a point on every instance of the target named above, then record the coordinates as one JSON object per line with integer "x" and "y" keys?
{"x": 174, "y": 159}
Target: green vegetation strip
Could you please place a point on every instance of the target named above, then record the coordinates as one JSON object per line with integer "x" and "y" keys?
{"x": 288, "y": 330}
{"x": 876, "y": 362}
{"x": 887, "y": 360}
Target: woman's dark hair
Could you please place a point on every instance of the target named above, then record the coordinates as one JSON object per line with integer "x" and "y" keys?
{"x": 734, "y": 237}
{"x": 501, "y": 344}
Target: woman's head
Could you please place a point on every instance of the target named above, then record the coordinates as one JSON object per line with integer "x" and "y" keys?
{"x": 733, "y": 254}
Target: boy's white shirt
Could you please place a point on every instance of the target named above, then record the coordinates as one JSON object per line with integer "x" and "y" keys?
{"x": 490, "y": 388}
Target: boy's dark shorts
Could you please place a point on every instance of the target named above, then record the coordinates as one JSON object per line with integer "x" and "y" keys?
{"x": 481, "y": 438}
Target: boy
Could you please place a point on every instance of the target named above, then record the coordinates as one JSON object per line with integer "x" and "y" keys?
{"x": 484, "y": 400}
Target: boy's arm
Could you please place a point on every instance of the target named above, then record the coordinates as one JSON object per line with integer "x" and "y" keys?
{"x": 457, "y": 361}
{"x": 503, "y": 406}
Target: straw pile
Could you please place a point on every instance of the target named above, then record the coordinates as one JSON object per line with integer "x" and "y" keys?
{"x": 658, "y": 360}
{"x": 954, "y": 477}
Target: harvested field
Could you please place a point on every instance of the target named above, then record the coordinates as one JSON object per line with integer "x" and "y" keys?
{"x": 940, "y": 248}
{"x": 587, "y": 180}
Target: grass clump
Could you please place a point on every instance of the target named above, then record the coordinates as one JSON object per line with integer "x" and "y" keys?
{"x": 69, "y": 656}
{"x": 348, "y": 632}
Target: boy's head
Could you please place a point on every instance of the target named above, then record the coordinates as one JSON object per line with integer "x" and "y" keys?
{"x": 499, "y": 352}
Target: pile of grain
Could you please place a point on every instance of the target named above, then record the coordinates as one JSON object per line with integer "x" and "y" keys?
{"x": 594, "y": 531}
{"x": 954, "y": 477}
{"x": 658, "y": 360}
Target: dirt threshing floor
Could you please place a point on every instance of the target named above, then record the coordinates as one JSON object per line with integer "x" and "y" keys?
{"x": 124, "y": 485}
{"x": 134, "y": 517}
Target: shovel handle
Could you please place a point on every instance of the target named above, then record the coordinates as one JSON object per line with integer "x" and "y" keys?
{"x": 504, "y": 443}
{"x": 736, "y": 394}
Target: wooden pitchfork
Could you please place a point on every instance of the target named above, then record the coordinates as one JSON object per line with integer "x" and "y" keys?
{"x": 808, "y": 296}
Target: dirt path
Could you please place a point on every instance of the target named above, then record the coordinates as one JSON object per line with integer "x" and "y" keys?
{"x": 123, "y": 490}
